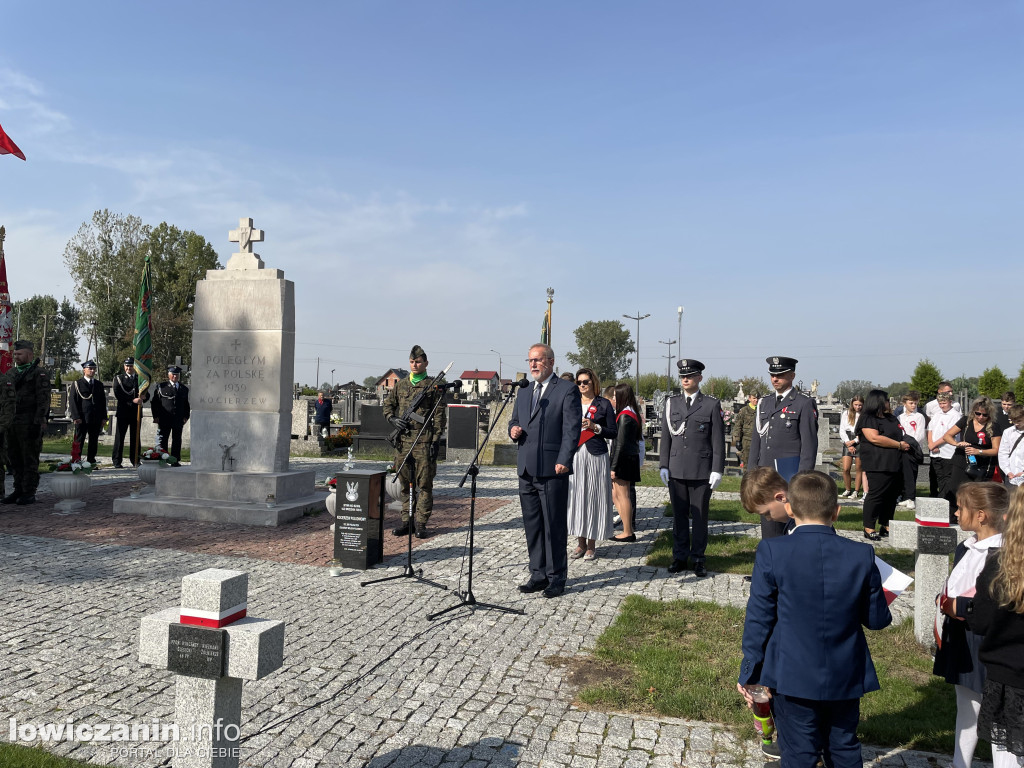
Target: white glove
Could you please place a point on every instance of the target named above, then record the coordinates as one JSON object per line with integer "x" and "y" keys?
{"x": 715, "y": 479}
{"x": 664, "y": 477}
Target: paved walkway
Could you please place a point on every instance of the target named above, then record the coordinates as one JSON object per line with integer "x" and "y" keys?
{"x": 368, "y": 680}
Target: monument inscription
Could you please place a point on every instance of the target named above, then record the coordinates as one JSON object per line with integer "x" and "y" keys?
{"x": 936, "y": 541}
{"x": 195, "y": 651}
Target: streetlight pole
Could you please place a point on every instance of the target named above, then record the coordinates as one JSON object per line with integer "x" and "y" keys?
{"x": 499, "y": 362}
{"x": 668, "y": 367}
{"x": 638, "y": 318}
{"x": 332, "y": 378}
{"x": 679, "y": 334}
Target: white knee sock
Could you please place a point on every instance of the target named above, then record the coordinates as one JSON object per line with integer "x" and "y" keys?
{"x": 968, "y": 705}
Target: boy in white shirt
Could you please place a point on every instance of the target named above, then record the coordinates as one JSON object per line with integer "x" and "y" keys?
{"x": 912, "y": 423}
{"x": 942, "y": 452}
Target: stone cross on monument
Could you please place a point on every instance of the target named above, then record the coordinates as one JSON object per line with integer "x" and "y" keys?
{"x": 211, "y": 645}
{"x": 245, "y": 236}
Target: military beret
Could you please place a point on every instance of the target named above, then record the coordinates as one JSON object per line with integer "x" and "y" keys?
{"x": 781, "y": 364}
{"x": 129, "y": 361}
{"x": 417, "y": 351}
{"x": 688, "y": 367}
{"x": 89, "y": 364}
{"x": 174, "y": 369}
{"x": 23, "y": 344}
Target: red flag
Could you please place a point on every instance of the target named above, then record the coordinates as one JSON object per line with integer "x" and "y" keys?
{"x": 8, "y": 147}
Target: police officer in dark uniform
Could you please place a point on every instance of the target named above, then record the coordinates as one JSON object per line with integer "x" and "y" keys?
{"x": 31, "y": 408}
{"x": 171, "y": 411}
{"x": 422, "y": 464}
{"x": 126, "y": 393}
{"x": 692, "y": 463}
{"x": 87, "y": 403}
{"x": 785, "y": 431}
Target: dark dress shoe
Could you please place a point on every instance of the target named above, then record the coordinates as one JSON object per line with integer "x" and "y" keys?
{"x": 883, "y": 532}
{"x": 554, "y": 590}
{"x": 118, "y": 466}
{"x": 699, "y": 570}
{"x": 872, "y": 536}
{"x": 533, "y": 586}
{"x": 678, "y": 566}
{"x": 402, "y": 530}
{"x": 11, "y": 498}
{"x": 28, "y": 498}
{"x": 748, "y": 579}
{"x": 421, "y": 531}
{"x": 624, "y": 539}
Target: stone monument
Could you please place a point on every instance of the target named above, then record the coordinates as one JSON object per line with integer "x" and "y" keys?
{"x": 212, "y": 646}
{"x": 243, "y": 359}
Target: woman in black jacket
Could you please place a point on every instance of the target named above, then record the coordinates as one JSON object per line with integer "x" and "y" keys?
{"x": 625, "y": 458}
{"x": 881, "y": 457}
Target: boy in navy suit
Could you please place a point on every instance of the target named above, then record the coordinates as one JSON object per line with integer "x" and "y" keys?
{"x": 811, "y": 593}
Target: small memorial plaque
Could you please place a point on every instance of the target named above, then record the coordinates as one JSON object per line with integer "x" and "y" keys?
{"x": 359, "y": 522}
{"x": 936, "y": 540}
{"x": 195, "y": 651}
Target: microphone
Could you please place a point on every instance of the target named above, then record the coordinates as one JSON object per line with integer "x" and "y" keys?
{"x": 519, "y": 383}
{"x": 457, "y": 384}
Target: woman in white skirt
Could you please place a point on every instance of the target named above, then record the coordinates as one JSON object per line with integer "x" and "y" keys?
{"x": 590, "y": 485}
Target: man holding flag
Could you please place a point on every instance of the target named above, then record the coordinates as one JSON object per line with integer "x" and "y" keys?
{"x": 126, "y": 392}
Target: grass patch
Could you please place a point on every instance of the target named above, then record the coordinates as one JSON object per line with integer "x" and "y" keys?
{"x": 63, "y": 445}
{"x": 850, "y": 517}
{"x": 682, "y": 658}
{"x": 650, "y": 478}
{"x": 735, "y": 554}
{"x": 18, "y": 756}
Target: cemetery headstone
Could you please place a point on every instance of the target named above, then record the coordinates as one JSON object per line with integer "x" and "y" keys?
{"x": 211, "y": 645}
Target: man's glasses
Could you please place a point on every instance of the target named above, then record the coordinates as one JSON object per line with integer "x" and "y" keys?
{"x": 536, "y": 360}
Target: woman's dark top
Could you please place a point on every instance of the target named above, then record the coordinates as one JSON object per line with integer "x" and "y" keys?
{"x": 626, "y": 448}
{"x": 1003, "y": 646}
{"x": 968, "y": 434}
{"x": 604, "y": 415}
{"x": 876, "y": 458}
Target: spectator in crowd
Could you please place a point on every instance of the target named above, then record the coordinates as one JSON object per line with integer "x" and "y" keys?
{"x": 882, "y": 445}
{"x": 322, "y": 414}
{"x": 590, "y": 485}
{"x": 1011, "y": 453}
{"x": 999, "y": 617}
{"x": 847, "y": 433}
{"x": 980, "y": 508}
{"x": 567, "y": 376}
{"x": 941, "y": 452}
{"x": 931, "y": 410}
{"x": 1007, "y": 401}
{"x": 625, "y": 458}
{"x": 976, "y": 440}
{"x": 743, "y": 428}
{"x": 913, "y": 423}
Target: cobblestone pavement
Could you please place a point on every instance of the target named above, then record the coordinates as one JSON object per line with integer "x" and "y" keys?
{"x": 368, "y": 680}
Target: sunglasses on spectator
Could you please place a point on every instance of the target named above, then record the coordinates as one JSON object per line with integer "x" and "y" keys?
{"x": 981, "y": 414}
{"x": 583, "y": 382}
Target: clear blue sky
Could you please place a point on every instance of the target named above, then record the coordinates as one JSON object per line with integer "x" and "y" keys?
{"x": 839, "y": 182}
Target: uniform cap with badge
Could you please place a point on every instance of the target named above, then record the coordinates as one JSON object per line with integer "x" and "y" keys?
{"x": 129, "y": 361}
{"x": 689, "y": 367}
{"x": 174, "y": 369}
{"x": 777, "y": 365}
{"x": 417, "y": 351}
{"x": 89, "y": 364}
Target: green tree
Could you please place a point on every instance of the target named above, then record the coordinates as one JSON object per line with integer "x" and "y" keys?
{"x": 62, "y": 322}
{"x": 897, "y": 390}
{"x": 604, "y": 346}
{"x": 846, "y": 389}
{"x": 370, "y": 382}
{"x": 179, "y": 259}
{"x": 1018, "y": 387}
{"x": 649, "y": 384}
{"x": 925, "y": 379}
{"x": 754, "y": 384}
{"x": 993, "y": 382}
{"x": 968, "y": 383}
{"x": 722, "y": 387}
{"x": 105, "y": 258}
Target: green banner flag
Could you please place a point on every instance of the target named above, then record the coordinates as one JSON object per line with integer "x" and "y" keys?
{"x": 545, "y": 330}
{"x": 143, "y": 335}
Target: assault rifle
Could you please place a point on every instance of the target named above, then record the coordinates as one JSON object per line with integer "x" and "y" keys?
{"x": 410, "y": 414}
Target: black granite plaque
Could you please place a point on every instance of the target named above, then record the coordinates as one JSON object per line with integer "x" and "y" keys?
{"x": 196, "y": 651}
{"x": 359, "y": 519}
{"x": 463, "y": 426}
{"x": 936, "y": 540}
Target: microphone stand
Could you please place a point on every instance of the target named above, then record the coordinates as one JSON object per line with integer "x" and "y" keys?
{"x": 467, "y": 597}
{"x": 410, "y": 572}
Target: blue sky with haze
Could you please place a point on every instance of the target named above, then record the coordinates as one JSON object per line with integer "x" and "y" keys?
{"x": 839, "y": 182}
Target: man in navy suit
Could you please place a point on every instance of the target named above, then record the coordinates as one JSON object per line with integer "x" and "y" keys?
{"x": 802, "y": 638}
{"x": 546, "y": 425}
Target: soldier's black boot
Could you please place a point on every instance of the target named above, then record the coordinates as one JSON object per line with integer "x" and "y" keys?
{"x": 10, "y": 498}
{"x": 421, "y": 530}
{"x": 25, "y": 499}
{"x": 402, "y": 530}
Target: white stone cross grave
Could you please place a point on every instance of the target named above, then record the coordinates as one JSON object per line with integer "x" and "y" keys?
{"x": 245, "y": 236}
{"x": 212, "y": 645}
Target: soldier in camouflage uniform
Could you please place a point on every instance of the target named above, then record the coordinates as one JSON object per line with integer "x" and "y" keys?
{"x": 743, "y": 428}
{"x": 422, "y": 464}
{"x": 6, "y": 419}
{"x": 31, "y": 384}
